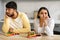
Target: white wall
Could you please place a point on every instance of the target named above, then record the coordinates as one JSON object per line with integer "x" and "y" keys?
{"x": 30, "y": 6}
{"x": 1, "y": 9}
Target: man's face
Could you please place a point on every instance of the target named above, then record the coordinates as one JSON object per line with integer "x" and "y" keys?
{"x": 9, "y": 12}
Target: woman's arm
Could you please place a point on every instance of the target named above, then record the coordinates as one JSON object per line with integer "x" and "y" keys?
{"x": 49, "y": 28}
{"x": 37, "y": 27}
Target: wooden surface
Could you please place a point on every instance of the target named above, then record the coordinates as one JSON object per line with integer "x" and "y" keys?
{"x": 19, "y": 37}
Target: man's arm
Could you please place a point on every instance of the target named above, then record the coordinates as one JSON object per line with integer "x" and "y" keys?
{"x": 5, "y": 26}
{"x": 26, "y": 23}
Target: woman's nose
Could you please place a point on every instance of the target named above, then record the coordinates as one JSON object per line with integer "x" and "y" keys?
{"x": 43, "y": 15}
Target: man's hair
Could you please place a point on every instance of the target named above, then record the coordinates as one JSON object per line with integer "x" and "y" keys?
{"x": 11, "y": 4}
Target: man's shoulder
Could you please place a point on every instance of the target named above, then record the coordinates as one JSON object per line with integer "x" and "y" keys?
{"x": 21, "y": 13}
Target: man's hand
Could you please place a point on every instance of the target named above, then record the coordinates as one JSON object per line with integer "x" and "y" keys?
{"x": 11, "y": 30}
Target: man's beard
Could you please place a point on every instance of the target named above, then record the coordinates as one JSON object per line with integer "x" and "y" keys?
{"x": 10, "y": 15}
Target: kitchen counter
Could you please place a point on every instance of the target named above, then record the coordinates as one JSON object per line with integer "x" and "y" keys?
{"x": 18, "y": 37}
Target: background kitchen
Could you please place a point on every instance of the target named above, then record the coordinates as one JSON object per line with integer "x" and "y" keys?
{"x": 30, "y": 7}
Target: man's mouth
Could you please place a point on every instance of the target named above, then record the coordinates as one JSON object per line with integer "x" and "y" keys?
{"x": 10, "y": 15}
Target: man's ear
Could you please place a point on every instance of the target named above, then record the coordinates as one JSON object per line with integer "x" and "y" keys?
{"x": 15, "y": 10}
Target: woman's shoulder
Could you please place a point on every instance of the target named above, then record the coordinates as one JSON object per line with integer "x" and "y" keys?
{"x": 36, "y": 20}
{"x": 51, "y": 19}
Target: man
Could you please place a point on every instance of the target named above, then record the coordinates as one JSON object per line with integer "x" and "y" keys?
{"x": 15, "y": 21}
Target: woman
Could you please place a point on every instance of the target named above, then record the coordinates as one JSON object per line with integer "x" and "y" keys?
{"x": 44, "y": 23}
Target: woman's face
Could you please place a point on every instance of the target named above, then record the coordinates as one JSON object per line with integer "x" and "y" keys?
{"x": 43, "y": 13}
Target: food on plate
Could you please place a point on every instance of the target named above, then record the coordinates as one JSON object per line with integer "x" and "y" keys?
{"x": 31, "y": 34}
{"x": 11, "y": 34}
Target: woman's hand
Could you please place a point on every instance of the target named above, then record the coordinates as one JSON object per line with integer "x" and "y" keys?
{"x": 41, "y": 23}
{"x": 45, "y": 21}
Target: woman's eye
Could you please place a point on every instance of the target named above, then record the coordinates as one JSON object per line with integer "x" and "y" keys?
{"x": 45, "y": 13}
{"x": 41, "y": 13}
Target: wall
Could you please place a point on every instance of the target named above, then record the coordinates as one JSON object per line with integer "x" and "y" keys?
{"x": 29, "y": 7}
{"x": 1, "y": 9}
